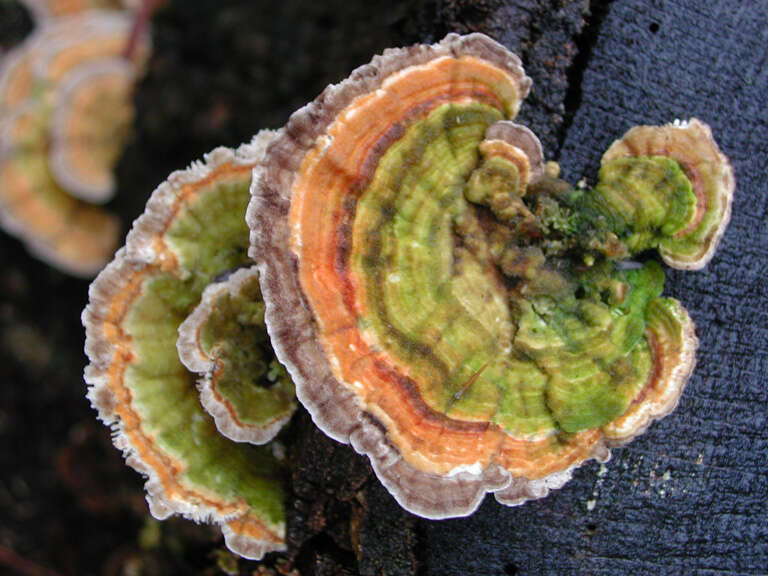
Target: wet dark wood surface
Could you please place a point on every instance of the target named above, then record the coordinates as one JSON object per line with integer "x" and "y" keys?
{"x": 689, "y": 496}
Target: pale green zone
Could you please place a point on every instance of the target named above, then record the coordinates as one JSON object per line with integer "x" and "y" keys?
{"x": 30, "y": 157}
{"x": 506, "y": 304}
{"x": 209, "y": 236}
{"x": 247, "y": 373}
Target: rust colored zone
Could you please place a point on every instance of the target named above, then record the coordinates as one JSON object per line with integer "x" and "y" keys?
{"x": 217, "y": 371}
{"x": 252, "y": 528}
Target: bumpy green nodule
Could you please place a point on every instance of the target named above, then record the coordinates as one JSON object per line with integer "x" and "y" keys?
{"x": 209, "y": 235}
{"x": 505, "y": 303}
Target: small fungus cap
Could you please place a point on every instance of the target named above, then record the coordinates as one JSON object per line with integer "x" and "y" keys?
{"x": 89, "y": 127}
{"x": 524, "y": 140}
{"x": 242, "y": 386}
{"x": 417, "y": 266}
{"x": 193, "y": 228}
{"x": 692, "y": 145}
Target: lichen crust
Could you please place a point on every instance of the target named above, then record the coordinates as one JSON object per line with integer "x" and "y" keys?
{"x": 191, "y": 231}
{"x": 447, "y": 305}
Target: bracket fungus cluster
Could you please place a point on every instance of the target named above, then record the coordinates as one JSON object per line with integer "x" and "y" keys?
{"x": 447, "y": 305}
{"x": 192, "y": 232}
{"x": 441, "y": 300}
{"x": 65, "y": 112}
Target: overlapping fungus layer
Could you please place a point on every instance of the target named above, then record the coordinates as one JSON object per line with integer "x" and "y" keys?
{"x": 65, "y": 109}
{"x": 243, "y": 386}
{"x": 448, "y": 305}
{"x": 192, "y": 231}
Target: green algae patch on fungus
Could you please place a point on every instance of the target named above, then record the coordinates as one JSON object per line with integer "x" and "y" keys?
{"x": 406, "y": 261}
{"x": 597, "y": 358}
{"x": 242, "y": 385}
{"x": 449, "y": 306}
{"x": 192, "y": 230}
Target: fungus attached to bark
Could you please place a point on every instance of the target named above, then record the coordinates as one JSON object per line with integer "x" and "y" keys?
{"x": 65, "y": 107}
{"x": 447, "y": 305}
{"x": 243, "y": 386}
{"x": 193, "y": 229}
{"x": 694, "y": 231}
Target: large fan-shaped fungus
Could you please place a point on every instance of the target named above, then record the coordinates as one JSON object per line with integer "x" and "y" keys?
{"x": 193, "y": 229}
{"x": 447, "y": 305}
{"x": 65, "y": 105}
